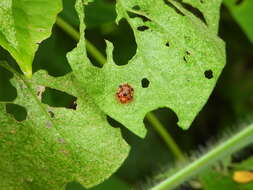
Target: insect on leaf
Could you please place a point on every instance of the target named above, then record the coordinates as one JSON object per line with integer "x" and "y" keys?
{"x": 178, "y": 53}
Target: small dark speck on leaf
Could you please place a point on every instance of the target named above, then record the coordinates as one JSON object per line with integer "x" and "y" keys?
{"x": 167, "y": 44}
{"x": 209, "y": 74}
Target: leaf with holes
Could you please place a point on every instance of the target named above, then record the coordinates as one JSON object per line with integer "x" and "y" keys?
{"x": 241, "y": 10}
{"x": 53, "y": 145}
{"x": 178, "y": 60}
{"x": 23, "y": 25}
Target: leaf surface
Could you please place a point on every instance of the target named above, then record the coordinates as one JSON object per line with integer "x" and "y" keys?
{"x": 177, "y": 53}
{"x": 54, "y": 146}
{"x": 24, "y": 24}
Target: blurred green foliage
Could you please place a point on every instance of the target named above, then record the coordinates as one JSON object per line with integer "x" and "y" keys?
{"x": 230, "y": 103}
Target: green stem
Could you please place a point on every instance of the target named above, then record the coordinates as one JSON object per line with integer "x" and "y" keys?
{"x": 234, "y": 143}
{"x": 70, "y": 30}
{"x": 102, "y": 60}
{"x": 157, "y": 125}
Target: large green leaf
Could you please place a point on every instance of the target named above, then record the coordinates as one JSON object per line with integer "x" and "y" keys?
{"x": 23, "y": 25}
{"x": 177, "y": 53}
{"x": 241, "y": 10}
{"x": 54, "y": 146}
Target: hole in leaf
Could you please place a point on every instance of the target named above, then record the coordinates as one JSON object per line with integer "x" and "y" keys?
{"x": 56, "y": 98}
{"x": 118, "y": 34}
{"x": 99, "y": 42}
{"x": 167, "y": 44}
{"x": 123, "y": 34}
{"x": 193, "y": 10}
{"x": 185, "y": 60}
{"x": 136, "y": 7}
{"x": 173, "y": 7}
{"x": 7, "y": 91}
{"x": 238, "y": 2}
{"x": 134, "y": 15}
{"x": 51, "y": 114}
{"x": 94, "y": 32}
{"x": 128, "y": 136}
{"x": 187, "y": 56}
{"x": 142, "y": 28}
{"x": 209, "y": 74}
{"x": 55, "y": 62}
{"x": 18, "y": 112}
{"x": 145, "y": 83}
{"x": 168, "y": 119}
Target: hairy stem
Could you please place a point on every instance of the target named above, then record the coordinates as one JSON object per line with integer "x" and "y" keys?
{"x": 70, "y": 30}
{"x": 239, "y": 140}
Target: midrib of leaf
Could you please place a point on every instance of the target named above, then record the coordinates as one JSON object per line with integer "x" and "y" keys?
{"x": 44, "y": 112}
{"x": 42, "y": 109}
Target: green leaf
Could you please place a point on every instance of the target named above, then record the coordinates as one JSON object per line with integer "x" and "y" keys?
{"x": 181, "y": 76}
{"x": 241, "y": 10}
{"x": 211, "y": 179}
{"x": 222, "y": 179}
{"x": 245, "y": 165}
{"x": 23, "y": 25}
{"x": 54, "y": 146}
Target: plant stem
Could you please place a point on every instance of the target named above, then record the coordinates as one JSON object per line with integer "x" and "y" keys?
{"x": 102, "y": 60}
{"x": 70, "y": 30}
{"x": 231, "y": 145}
{"x": 157, "y": 125}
